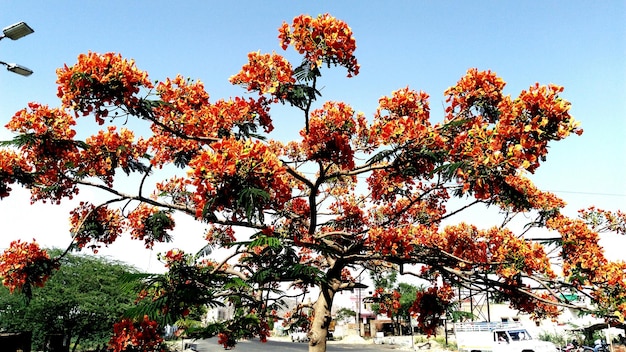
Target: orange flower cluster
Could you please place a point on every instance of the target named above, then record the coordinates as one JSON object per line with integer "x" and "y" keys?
{"x": 13, "y": 168}
{"x": 394, "y": 241}
{"x": 385, "y": 184}
{"x": 331, "y": 129}
{"x": 583, "y": 258}
{"x": 174, "y": 256}
{"x": 515, "y": 255}
{"x": 40, "y": 120}
{"x": 187, "y": 112}
{"x": 427, "y": 210}
{"x": 100, "y": 79}
{"x": 604, "y": 220}
{"x": 324, "y": 39}
{"x": 388, "y": 304}
{"x": 24, "y": 265}
{"x": 402, "y": 121}
{"x": 584, "y": 263}
{"x": 496, "y": 247}
{"x": 537, "y": 308}
{"x": 534, "y": 198}
{"x": 494, "y": 137}
{"x": 184, "y": 110}
{"x": 264, "y": 73}
{"x": 150, "y": 224}
{"x": 226, "y": 114}
{"x": 109, "y": 150}
{"x": 226, "y": 339}
{"x": 300, "y": 207}
{"x": 477, "y": 92}
{"x": 535, "y": 118}
{"x": 611, "y": 290}
{"x": 232, "y": 166}
{"x": 462, "y": 241}
{"x": 144, "y": 336}
{"x": 92, "y": 226}
{"x": 350, "y": 216}
{"x": 50, "y": 153}
{"x": 220, "y": 235}
{"x": 176, "y": 189}
{"x": 403, "y": 117}
{"x": 183, "y": 95}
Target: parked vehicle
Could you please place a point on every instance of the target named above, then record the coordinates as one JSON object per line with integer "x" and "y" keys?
{"x": 299, "y": 335}
{"x": 573, "y": 346}
{"x": 598, "y": 346}
{"x": 498, "y": 337}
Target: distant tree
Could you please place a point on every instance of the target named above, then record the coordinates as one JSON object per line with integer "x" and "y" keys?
{"x": 384, "y": 278}
{"x": 407, "y": 292}
{"x": 79, "y": 304}
{"x": 395, "y": 299}
{"x": 345, "y": 314}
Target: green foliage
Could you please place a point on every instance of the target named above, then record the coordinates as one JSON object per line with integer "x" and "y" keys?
{"x": 408, "y": 293}
{"x": 251, "y": 199}
{"x": 459, "y": 315}
{"x": 384, "y": 278}
{"x": 158, "y": 224}
{"x": 441, "y": 340}
{"x": 344, "y": 314}
{"x": 180, "y": 289}
{"x": 557, "y": 339}
{"x": 81, "y": 301}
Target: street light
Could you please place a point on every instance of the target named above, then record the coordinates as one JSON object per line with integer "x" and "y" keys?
{"x": 19, "y": 69}
{"x": 16, "y": 31}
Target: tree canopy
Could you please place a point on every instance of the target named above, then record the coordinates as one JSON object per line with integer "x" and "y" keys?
{"x": 79, "y": 303}
{"x": 349, "y": 192}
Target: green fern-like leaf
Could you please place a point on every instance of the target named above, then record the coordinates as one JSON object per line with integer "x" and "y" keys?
{"x": 384, "y": 155}
{"x": 265, "y": 241}
{"x": 158, "y": 224}
{"x": 448, "y": 171}
{"x": 251, "y": 199}
{"x": 306, "y": 72}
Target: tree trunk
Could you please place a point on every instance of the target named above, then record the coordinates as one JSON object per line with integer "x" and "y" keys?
{"x": 77, "y": 342}
{"x": 321, "y": 320}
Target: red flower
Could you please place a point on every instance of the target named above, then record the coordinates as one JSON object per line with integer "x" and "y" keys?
{"x": 136, "y": 336}
{"x": 264, "y": 73}
{"x": 324, "y": 39}
{"x": 100, "y": 79}
{"x": 23, "y": 265}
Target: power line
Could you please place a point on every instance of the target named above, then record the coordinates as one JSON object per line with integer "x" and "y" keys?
{"x": 590, "y": 193}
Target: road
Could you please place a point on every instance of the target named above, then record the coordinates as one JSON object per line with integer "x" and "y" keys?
{"x": 210, "y": 345}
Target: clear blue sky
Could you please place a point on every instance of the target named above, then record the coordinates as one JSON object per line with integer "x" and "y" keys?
{"x": 427, "y": 45}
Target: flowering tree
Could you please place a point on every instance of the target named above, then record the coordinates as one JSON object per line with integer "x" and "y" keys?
{"x": 350, "y": 192}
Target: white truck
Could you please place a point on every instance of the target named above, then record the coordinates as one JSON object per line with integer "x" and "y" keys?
{"x": 498, "y": 337}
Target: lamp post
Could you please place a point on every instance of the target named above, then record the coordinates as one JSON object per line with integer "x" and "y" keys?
{"x": 15, "y": 32}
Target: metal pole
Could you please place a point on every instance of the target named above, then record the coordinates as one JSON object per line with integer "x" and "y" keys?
{"x": 358, "y": 320}
{"x": 488, "y": 310}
